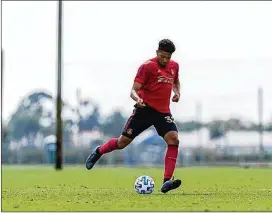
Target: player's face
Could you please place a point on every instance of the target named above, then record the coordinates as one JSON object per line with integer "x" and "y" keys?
{"x": 163, "y": 57}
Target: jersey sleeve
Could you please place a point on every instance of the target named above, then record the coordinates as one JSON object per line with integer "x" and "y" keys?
{"x": 142, "y": 74}
{"x": 177, "y": 74}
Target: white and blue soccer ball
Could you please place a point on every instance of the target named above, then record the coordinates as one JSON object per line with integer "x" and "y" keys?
{"x": 144, "y": 185}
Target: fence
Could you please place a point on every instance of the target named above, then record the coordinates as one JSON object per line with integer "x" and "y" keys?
{"x": 138, "y": 155}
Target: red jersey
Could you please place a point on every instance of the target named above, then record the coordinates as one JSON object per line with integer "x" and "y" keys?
{"x": 157, "y": 83}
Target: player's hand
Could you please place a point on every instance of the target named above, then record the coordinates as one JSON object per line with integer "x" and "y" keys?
{"x": 140, "y": 103}
{"x": 176, "y": 97}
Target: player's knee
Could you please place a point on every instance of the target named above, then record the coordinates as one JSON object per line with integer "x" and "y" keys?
{"x": 123, "y": 142}
{"x": 172, "y": 139}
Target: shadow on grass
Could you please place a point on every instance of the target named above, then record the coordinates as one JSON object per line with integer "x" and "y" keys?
{"x": 186, "y": 194}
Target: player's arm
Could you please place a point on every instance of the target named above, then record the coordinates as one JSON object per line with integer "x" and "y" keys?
{"x": 134, "y": 94}
{"x": 176, "y": 87}
{"x": 140, "y": 79}
{"x": 134, "y": 91}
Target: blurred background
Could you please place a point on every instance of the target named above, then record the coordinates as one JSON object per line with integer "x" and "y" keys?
{"x": 224, "y": 50}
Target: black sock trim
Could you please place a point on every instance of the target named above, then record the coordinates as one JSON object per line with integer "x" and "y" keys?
{"x": 98, "y": 151}
{"x": 166, "y": 179}
{"x": 173, "y": 145}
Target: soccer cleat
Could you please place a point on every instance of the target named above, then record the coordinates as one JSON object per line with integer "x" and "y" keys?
{"x": 170, "y": 185}
{"x": 93, "y": 158}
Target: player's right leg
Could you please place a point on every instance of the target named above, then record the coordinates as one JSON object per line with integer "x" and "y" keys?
{"x": 136, "y": 124}
{"x": 167, "y": 129}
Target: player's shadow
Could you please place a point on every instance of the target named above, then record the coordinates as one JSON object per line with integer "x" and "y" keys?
{"x": 186, "y": 194}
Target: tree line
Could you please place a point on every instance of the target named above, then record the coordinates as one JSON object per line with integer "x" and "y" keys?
{"x": 33, "y": 116}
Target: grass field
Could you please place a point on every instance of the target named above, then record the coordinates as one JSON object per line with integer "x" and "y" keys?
{"x": 111, "y": 189}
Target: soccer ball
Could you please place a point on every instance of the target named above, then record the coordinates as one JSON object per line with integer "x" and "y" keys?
{"x": 144, "y": 185}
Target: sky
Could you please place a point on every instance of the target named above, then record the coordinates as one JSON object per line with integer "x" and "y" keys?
{"x": 224, "y": 50}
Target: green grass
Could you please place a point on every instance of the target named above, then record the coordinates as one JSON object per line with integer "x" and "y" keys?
{"x": 111, "y": 189}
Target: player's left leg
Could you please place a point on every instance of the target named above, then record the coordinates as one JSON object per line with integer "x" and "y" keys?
{"x": 140, "y": 120}
{"x": 167, "y": 129}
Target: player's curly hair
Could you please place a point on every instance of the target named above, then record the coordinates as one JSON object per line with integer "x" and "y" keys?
{"x": 167, "y": 46}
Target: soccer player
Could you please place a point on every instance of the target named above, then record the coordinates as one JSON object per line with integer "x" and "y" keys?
{"x": 151, "y": 91}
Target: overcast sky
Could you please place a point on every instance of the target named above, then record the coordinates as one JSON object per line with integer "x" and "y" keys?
{"x": 223, "y": 48}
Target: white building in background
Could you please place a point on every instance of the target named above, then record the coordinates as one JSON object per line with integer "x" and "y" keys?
{"x": 242, "y": 138}
{"x": 231, "y": 139}
{"x": 245, "y": 142}
{"x": 85, "y": 138}
{"x": 195, "y": 139}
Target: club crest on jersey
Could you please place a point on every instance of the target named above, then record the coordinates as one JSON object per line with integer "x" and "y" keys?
{"x": 129, "y": 131}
